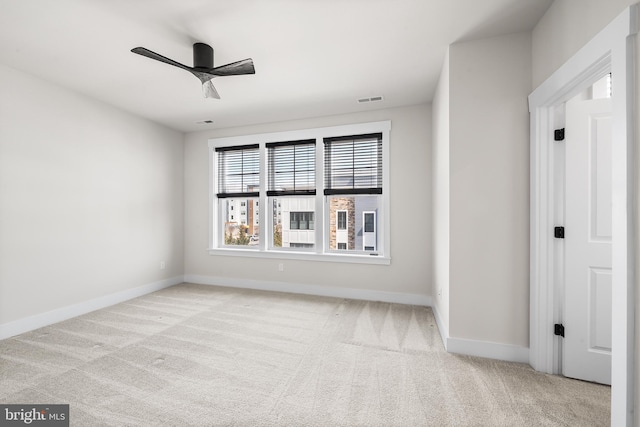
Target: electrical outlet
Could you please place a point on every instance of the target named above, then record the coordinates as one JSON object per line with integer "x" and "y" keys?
{"x": 281, "y": 267}
{"x": 163, "y": 265}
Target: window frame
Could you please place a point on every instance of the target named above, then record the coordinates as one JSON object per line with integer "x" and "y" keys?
{"x": 321, "y": 252}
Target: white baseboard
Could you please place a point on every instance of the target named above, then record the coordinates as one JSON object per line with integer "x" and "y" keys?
{"x": 491, "y": 350}
{"x": 452, "y": 345}
{"x": 50, "y": 317}
{"x": 444, "y": 332}
{"x": 325, "y": 291}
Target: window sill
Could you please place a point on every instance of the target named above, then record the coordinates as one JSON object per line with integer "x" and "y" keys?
{"x": 303, "y": 256}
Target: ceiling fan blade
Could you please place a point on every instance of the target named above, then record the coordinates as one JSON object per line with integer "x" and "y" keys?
{"x": 235, "y": 68}
{"x": 149, "y": 54}
{"x": 209, "y": 91}
{"x": 204, "y": 74}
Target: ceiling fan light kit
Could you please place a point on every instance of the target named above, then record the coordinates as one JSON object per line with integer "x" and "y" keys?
{"x": 203, "y": 67}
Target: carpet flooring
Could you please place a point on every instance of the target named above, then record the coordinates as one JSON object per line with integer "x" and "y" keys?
{"x": 193, "y": 355}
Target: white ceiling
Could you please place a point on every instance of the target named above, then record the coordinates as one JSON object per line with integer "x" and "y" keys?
{"x": 312, "y": 57}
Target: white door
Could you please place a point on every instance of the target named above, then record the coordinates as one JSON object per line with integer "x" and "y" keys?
{"x": 587, "y": 304}
{"x": 369, "y": 238}
{"x": 342, "y": 230}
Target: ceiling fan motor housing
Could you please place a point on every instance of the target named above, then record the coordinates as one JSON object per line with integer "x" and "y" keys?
{"x": 202, "y": 56}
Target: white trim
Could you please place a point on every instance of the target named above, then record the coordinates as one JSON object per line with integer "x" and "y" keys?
{"x": 30, "y": 323}
{"x": 303, "y": 256}
{"x": 325, "y": 291}
{"x": 611, "y": 49}
{"x": 294, "y": 135}
{"x": 491, "y": 350}
{"x": 444, "y": 332}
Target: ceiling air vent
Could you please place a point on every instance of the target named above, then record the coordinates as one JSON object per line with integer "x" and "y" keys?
{"x": 370, "y": 99}
{"x": 204, "y": 122}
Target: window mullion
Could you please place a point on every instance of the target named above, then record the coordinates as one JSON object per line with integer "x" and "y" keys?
{"x": 263, "y": 222}
{"x": 321, "y": 211}
{"x": 213, "y": 200}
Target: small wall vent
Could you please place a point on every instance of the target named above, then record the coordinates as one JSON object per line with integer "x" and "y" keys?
{"x": 370, "y": 99}
{"x": 204, "y": 122}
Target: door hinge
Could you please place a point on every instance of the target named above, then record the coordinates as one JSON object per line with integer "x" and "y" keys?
{"x": 558, "y": 329}
{"x": 558, "y": 232}
{"x": 558, "y": 135}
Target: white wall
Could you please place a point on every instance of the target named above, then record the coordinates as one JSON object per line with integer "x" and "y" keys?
{"x": 489, "y": 81}
{"x": 565, "y": 28}
{"x": 410, "y": 180}
{"x": 441, "y": 198}
{"x": 90, "y": 199}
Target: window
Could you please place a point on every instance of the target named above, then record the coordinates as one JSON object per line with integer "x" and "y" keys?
{"x": 342, "y": 220}
{"x": 291, "y": 185}
{"x": 238, "y": 234}
{"x": 301, "y": 221}
{"x": 324, "y": 191}
{"x": 238, "y": 173}
{"x": 369, "y": 221}
{"x": 353, "y": 180}
{"x": 348, "y": 216}
{"x": 293, "y": 222}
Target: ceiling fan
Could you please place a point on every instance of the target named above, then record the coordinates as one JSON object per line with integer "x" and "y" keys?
{"x": 203, "y": 66}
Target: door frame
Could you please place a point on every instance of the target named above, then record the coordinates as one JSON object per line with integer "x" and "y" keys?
{"x": 611, "y": 50}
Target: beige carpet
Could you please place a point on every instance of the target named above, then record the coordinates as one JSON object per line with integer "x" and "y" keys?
{"x": 207, "y": 356}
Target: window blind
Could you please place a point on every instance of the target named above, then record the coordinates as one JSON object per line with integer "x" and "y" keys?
{"x": 238, "y": 171}
{"x": 353, "y": 164}
{"x": 292, "y": 168}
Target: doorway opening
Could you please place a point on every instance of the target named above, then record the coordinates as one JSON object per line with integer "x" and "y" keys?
{"x": 582, "y": 184}
{"x": 611, "y": 51}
